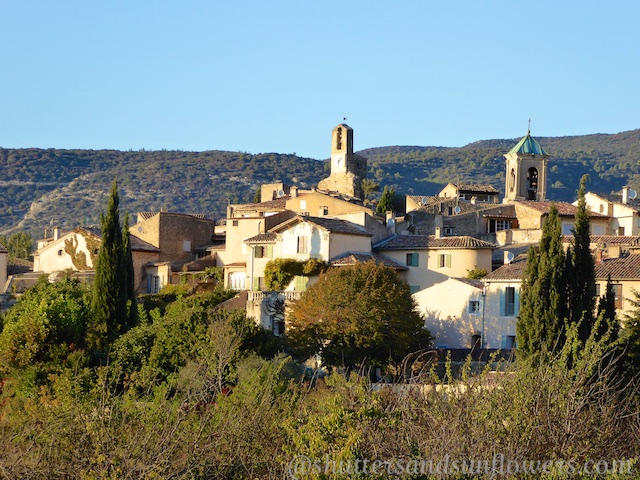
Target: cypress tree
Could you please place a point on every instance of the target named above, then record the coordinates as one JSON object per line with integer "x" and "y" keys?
{"x": 109, "y": 301}
{"x": 607, "y": 321}
{"x": 385, "y": 204}
{"x": 540, "y": 325}
{"x": 582, "y": 280}
{"x": 129, "y": 276}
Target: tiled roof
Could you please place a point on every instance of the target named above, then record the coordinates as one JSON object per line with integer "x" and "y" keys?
{"x": 268, "y": 237}
{"x": 473, "y": 188}
{"x": 627, "y": 267}
{"x": 148, "y": 215}
{"x": 564, "y": 209}
{"x": 414, "y": 242}
{"x": 140, "y": 245}
{"x": 196, "y": 265}
{"x": 351, "y": 258}
{"x": 609, "y": 239}
{"x": 471, "y": 281}
{"x": 617, "y": 198}
{"x": 236, "y": 264}
{"x": 278, "y": 203}
{"x": 512, "y": 271}
{"x": 425, "y": 199}
{"x": 336, "y": 225}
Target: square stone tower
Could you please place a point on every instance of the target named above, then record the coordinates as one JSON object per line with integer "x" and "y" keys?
{"x": 347, "y": 169}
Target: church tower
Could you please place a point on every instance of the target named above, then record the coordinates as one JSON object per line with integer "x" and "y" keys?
{"x": 526, "y": 171}
{"x": 347, "y": 169}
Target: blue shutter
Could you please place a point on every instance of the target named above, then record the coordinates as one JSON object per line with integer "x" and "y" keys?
{"x": 516, "y": 302}
{"x": 502, "y": 303}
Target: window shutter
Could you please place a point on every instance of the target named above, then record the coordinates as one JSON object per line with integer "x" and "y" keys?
{"x": 270, "y": 251}
{"x": 502, "y": 304}
{"x": 256, "y": 252}
{"x": 256, "y": 283}
{"x": 516, "y": 302}
{"x": 447, "y": 259}
{"x": 504, "y": 341}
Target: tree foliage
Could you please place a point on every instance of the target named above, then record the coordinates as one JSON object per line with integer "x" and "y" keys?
{"x": 18, "y": 245}
{"x": 544, "y": 303}
{"x": 279, "y": 272}
{"x": 357, "y": 315}
{"x": 385, "y": 204}
{"x": 112, "y": 286}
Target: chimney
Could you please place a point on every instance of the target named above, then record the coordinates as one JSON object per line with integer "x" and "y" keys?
{"x": 438, "y": 232}
{"x": 294, "y": 192}
{"x": 614, "y": 251}
{"x": 598, "y": 256}
{"x": 56, "y": 233}
{"x": 625, "y": 194}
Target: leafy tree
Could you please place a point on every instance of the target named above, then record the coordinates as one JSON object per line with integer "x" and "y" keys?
{"x": 476, "y": 273}
{"x": 369, "y": 187}
{"x": 257, "y": 195}
{"x": 44, "y": 329}
{"x": 18, "y": 245}
{"x": 581, "y": 281}
{"x": 111, "y": 287}
{"x": 357, "y": 315}
{"x": 385, "y": 204}
{"x": 543, "y": 299}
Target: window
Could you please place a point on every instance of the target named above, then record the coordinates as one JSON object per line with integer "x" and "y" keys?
{"x": 301, "y": 283}
{"x": 621, "y": 231}
{"x": 597, "y": 290}
{"x": 258, "y": 283}
{"x": 303, "y": 244}
{"x": 567, "y": 228}
{"x": 617, "y": 293}
{"x": 414, "y": 289}
{"x": 508, "y": 341}
{"x": 509, "y": 302}
{"x": 263, "y": 251}
{"x": 186, "y": 245}
{"x": 601, "y": 208}
{"x": 448, "y": 230}
{"x": 60, "y": 252}
{"x": 412, "y": 259}
{"x": 277, "y": 325}
{"x": 153, "y": 284}
{"x": 234, "y": 223}
{"x": 303, "y": 204}
{"x": 474, "y": 307}
{"x": 324, "y": 211}
{"x": 444, "y": 260}
{"x": 450, "y": 211}
{"x": 236, "y": 281}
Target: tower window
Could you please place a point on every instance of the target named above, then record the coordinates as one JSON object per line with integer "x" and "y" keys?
{"x": 339, "y": 139}
{"x": 532, "y": 179}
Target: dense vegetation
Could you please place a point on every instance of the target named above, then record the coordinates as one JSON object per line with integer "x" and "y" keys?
{"x": 66, "y": 187}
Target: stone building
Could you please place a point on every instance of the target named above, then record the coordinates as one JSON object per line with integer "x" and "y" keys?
{"x": 347, "y": 169}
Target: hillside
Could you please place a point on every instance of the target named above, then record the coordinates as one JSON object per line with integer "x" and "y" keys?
{"x": 69, "y": 187}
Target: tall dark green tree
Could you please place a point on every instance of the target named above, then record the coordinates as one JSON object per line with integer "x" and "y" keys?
{"x": 129, "y": 275}
{"x": 582, "y": 280}
{"x": 385, "y": 204}
{"x": 543, "y": 307}
{"x": 607, "y": 322}
{"x": 111, "y": 287}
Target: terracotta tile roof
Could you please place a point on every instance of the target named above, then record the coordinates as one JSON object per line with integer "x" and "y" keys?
{"x": 627, "y": 267}
{"x": 479, "y": 284}
{"x": 268, "y": 237}
{"x": 335, "y": 225}
{"x": 426, "y": 199}
{"x": 351, "y": 258}
{"x": 278, "y": 203}
{"x": 236, "y": 264}
{"x": 415, "y": 242}
{"x": 148, "y": 215}
{"x": 608, "y": 239}
{"x": 512, "y": 271}
{"x": 196, "y": 265}
{"x": 474, "y": 188}
{"x": 564, "y": 209}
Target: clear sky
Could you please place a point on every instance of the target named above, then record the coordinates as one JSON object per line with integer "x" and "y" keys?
{"x": 277, "y": 76}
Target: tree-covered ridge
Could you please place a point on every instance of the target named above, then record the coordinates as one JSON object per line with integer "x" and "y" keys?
{"x": 68, "y": 186}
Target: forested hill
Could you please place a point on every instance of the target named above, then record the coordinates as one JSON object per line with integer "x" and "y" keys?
{"x": 69, "y": 187}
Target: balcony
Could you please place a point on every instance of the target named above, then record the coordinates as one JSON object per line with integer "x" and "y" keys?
{"x": 289, "y": 295}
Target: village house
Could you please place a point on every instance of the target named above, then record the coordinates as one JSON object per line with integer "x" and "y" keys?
{"x": 622, "y": 208}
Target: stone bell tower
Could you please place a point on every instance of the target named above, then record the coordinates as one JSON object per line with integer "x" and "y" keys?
{"x": 347, "y": 169}
{"x": 526, "y": 171}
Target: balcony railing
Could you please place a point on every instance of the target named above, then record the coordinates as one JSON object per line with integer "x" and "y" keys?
{"x": 289, "y": 295}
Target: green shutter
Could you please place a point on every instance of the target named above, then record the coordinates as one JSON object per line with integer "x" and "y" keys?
{"x": 270, "y": 251}
{"x": 301, "y": 283}
{"x": 447, "y": 260}
{"x": 256, "y": 283}
{"x": 256, "y": 252}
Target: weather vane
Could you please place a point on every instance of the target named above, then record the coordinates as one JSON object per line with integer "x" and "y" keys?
{"x": 529, "y": 129}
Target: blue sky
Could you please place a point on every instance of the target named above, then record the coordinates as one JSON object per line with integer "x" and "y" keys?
{"x": 278, "y": 76}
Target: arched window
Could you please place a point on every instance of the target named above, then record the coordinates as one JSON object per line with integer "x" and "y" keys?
{"x": 339, "y": 139}
{"x": 532, "y": 183}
